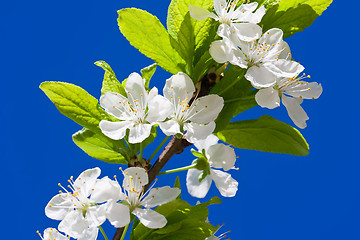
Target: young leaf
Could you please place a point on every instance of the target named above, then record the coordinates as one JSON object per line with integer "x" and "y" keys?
{"x": 147, "y": 73}
{"x": 146, "y": 33}
{"x": 265, "y": 134}
{"x": 75, "y": 103}
{"x": 110, "y": 82}
{"x": 100, "y": 147}
{"x": 292, "y": 15}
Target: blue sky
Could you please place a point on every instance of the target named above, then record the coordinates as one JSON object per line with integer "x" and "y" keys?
{"x": 280, "y": 197}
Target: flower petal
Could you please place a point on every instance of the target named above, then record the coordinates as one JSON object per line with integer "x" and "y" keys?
{"x": 224, "y": 182}
{"x": 260, "y": 77}
{"x": 246, "y": 31}
{"x": 284, "y": 68}
{"x": 219, "y": 6}
{"x": 268, "y": 98}
{"x": 159, "y": 109}
{"x": 196, "y": 132}
{"x": 295, "y": 111}
{"x": 221, "y": 156}
{"x": 118, "y": 214}
{"x": 195, "y": 187}
{"x": 200, "y": 13}
{"x": 220, "y": 51}
{"x": 159, "y": 196}
{"x": 139, "y": 178}
{"x": 205, "y": 109}
{"x": 170, "y": 127}
{"x": 90, "y": 234}
{"x": 59, "y": 206}
{"x": 149, "y": 218}
{"x": 53, "y": 234}
{"x": 139, "y": 133}
{"x": 111, "y": 103}
{"x": 311, "y": 90}
{"x": 179, "y": 87}
{"x": 135, "y": 89}
{"x": 73, "y": 224}
{"x": 86, "y": 181}
{"x": 106, "y": 189}
{"x": 96, "y": 215}
{"x": 114, "y": 130}
{"x": 206, "y": 143}
{"x": 272, "y": 36}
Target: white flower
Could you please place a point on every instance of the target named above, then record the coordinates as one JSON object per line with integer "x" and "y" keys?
{"x": 138, "y": 112}
{"x": 134, "y": 199}
{"x": 197, "y": 119}
{"x": 79, "y": 214}
{"x": 218, "y": 156}
{"x": 52, "y": 234}
{"x": 242, "y": 20}
{"x": 292, "y": 91}
{"x": 266, "y": 59}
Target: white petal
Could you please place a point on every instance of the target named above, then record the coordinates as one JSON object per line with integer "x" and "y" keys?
{"x": 224, "y": 182}
{"x": 221, "y": 156}
{"x": 205, "y": 109}
{"x": 295, "y": 111}
{"x": 90, "y": 234}
{"x": 59, "y": 206}
{"x": 159, "y": 196}
{"x": 115, "y": 130}
{"x": 118, "y": 214}
{"x": 86, "y": 180}
{"x": 284, "y": 68}
{"x": 159, "y": 109}
{"x": 220, "y": 51}
{"x": 96, "y": 215}
{"x": 196, "y": 132}
{"x": 260, "y": 77}
{"x": 224, "y": 30}
{"x": 219, "y": 6}
{"x": 311, "y": 90}
{"x": 170, "y": 127}
{"x": 196, "y": 188}
{"x": 286, "y": 53}
{"x": 153, "y": 93}
{"x": 206, "y": 143}
{"x": 111, "y": 103}
{"x": 73, "y": 224}
{"x": 179, "y": 87}
{"x": 53, "y": 234}
{"x": 268, "y": 98}
{"x": 135, "y": 88}
{"x": 139, "y": 178}
{"x": 139, "y": 133}
{"x": 258, "y": 15}
{"x": 149, "y": 218}
{"x": 106, "y": 189}
{"x": 272, "y": 36}
{"x": 199, "y": 13}
{"x": 247, "y": 31}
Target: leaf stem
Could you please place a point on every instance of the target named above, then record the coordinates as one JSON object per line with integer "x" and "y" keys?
{"x": 158, "y": 148}
{"x": 140, "y": 155}
{"x": 103, "y": 232}
{"x": 124, "y": 232}
{"x": 178, "y": 169}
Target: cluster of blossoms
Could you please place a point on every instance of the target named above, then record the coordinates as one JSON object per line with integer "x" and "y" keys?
{"x": 90, "y": 201}
{"x": 266, "y": 57}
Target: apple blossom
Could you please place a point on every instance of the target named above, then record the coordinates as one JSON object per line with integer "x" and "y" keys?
{"x": 79, "y": 214}
{"x": 217, "y": 155}
{"x": 292, "y": 91}
{"x": 137, "y": 112}
{"x": 52, "y": 234}
{"x": 133, "y": 199}
{"x": 266, "y": 59}
{"x": 241, "y": 20}
{"x": 196, "y": 118}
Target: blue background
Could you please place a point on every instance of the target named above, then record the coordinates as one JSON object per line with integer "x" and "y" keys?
{"x": 280, "y": 197}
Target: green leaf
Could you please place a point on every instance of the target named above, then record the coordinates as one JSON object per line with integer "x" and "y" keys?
{"x": 292, "y": 15}
{"x": 185, "y": 222}
{"x": 178, "y": 185}
{"x": 110, "y": 82}
{"x": 75, "y": 103}
{"x": 100, "y": 147}
{"x": 147, "y": 74}
{"x": 191, "y": 38}
{"x": 146, "y": 33}
{"x": 265, "y": 134}
{"x": 238, "y": 95}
